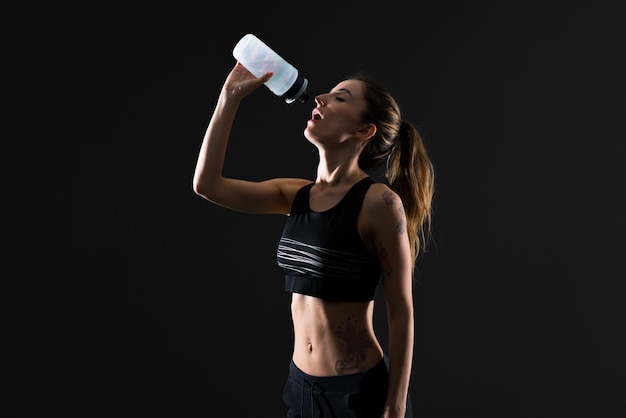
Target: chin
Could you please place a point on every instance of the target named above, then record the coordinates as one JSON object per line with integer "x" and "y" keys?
{"x": 311, "y": 138}
{"x": 308, "y": 135}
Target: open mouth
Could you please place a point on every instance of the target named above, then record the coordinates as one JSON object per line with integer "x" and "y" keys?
{"x": 316, "y": 115}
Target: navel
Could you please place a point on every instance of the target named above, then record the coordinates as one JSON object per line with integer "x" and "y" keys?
{"x": 310, "y": 347}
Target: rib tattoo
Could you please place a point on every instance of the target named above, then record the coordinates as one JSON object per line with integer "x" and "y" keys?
{"x": 355, "y": 346}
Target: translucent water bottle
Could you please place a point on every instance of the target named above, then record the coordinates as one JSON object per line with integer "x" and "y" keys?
{"x": 258, "y": 58}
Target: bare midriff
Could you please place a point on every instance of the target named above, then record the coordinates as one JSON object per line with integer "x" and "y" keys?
{"x": 333, "y": 338}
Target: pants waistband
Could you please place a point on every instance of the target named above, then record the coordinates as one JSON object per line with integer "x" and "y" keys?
{"x": 344, "y": 383}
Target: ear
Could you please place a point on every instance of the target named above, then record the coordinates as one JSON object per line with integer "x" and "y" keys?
{"x": 366, "y": 132}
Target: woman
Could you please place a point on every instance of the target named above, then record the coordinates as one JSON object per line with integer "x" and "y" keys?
{"x": 344, "y": 234}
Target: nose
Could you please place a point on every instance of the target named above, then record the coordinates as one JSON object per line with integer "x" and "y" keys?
{"x": 319, "y": 100}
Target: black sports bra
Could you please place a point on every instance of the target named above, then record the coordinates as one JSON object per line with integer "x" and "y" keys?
{"x": 321, "y": 253}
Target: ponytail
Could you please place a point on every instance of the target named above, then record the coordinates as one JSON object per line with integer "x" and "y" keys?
{"x": 410, "y": 174}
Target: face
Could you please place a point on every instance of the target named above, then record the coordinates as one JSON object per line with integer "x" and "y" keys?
{"x": 337, "y": 116}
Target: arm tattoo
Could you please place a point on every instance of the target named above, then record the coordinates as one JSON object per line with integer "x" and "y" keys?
{"x": 401, "y": 226}
{"x": 355, "y": 345}
{"x": 389, "y": 200}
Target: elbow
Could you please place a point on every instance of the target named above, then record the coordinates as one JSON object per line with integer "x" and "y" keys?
{"x": 201, "y": 187}
{"x": 208, "y": 187}
{"x": 402, "y": 313}
{"x": 196, "y": 186}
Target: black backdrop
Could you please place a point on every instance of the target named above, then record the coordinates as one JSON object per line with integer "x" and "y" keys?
{"x": 124, "y": 294}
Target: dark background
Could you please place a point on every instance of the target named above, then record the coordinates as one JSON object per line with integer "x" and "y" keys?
{"x": 124, "y": 294}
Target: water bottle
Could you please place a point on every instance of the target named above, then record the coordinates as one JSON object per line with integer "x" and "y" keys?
{"x": 258, "y": 58}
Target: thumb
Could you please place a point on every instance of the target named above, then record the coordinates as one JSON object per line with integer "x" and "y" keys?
{"x": 267, "y": 76}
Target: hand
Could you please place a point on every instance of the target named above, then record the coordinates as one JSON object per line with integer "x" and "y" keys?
{"x": 241, "y": 82}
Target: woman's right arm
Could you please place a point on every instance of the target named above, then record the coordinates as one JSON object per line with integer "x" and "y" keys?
{"x": 270, "y": 196}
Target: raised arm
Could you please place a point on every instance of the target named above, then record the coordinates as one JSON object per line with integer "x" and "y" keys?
{"x": 270, "y": 196}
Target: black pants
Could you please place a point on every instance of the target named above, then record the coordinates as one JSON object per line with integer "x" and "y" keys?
{"x": 359, "y": 395}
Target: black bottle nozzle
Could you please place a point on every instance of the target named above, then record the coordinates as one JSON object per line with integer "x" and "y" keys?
{"x": 304, "y": 97}
{"x": 297, "y": 91}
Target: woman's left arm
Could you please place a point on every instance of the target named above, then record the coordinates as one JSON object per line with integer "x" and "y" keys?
{"x": 389, "y": 234}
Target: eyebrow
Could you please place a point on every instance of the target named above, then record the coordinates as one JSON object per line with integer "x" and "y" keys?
{"x": 345, "y": 90}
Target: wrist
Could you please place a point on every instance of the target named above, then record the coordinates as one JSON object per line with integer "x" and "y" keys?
{"x": 228, "y": 99}
{"x": 394, "y": 411}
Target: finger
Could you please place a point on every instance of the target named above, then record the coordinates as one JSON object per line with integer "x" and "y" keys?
{"x": 267, "y": 76}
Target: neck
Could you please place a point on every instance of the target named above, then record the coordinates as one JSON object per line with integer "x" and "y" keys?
{"x": 336, "y": 170}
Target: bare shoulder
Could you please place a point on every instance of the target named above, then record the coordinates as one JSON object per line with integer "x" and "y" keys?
{"x": 383, "y": 210}
{"x": 380, "y": 200}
